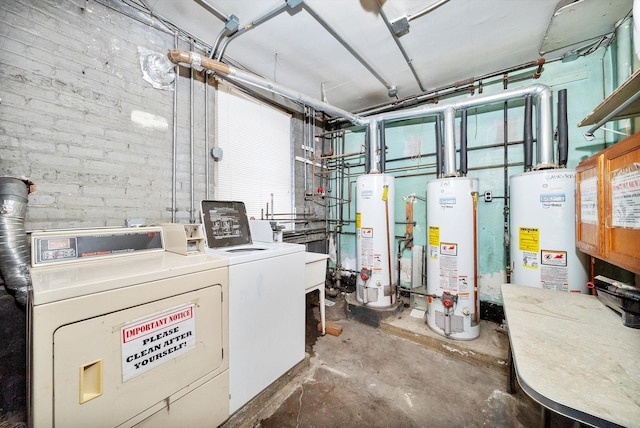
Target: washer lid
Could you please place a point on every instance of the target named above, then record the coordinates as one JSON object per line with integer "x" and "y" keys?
{"x": 225, "y": 223}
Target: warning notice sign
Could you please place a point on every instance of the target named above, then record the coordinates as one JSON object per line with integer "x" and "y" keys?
{"x": 529, "y": 239}
{"x": 157, "y": 339}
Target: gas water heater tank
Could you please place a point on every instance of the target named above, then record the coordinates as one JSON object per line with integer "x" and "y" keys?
{"x": 375, "y": 244}
{"x": 453, "y": 305}
{"x": 543, "y": 231}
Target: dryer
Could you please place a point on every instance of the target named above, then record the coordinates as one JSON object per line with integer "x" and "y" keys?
{"x": 123, "y": 333}
{"x": 266, "y": 300}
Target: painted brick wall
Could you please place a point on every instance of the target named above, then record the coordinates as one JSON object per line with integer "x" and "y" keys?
{"x": 78, "y": 119}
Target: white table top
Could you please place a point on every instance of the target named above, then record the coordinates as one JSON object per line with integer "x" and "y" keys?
{"x": 573, "y": 355}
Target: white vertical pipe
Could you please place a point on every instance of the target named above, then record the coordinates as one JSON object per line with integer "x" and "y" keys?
{"x": 174, "y": 159}
{"x": 191, "y": 146}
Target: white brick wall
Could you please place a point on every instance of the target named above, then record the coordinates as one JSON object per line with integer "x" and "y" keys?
{"x": 69, "y": 80}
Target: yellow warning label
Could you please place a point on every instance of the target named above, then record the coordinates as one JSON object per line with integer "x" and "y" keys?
{"x": 385, "y": 193}
{"x": 529, "y": 239}
{"x": 358, "y": 220}
{"x": 434, "y": 236}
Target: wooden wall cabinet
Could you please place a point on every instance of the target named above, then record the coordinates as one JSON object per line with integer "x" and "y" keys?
{"x": 608, "y": 204}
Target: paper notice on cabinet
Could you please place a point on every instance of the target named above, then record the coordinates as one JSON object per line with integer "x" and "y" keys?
{"x": 589, "y": 200}
{"x": 625, "y": 197}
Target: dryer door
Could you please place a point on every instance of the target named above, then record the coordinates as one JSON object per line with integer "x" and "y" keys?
{"x": 126, "y": 364}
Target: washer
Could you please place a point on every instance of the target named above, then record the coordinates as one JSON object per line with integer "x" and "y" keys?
{"x": 123, "y": 333}
{"x": 266, "y": 301}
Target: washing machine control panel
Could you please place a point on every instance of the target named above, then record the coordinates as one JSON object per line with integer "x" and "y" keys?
{"x": 64, "y": 246}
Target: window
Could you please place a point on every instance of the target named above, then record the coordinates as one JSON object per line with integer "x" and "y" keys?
{"x": 256, "y": 163}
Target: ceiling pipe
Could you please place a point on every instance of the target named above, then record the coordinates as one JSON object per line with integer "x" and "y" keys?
{"x": 253, "y": 24}
{"x": 193, "y": 59}
{"x": 351, "y": 50}
{"x": 462, "y": 85}
{"x": 399, "y": 44}
{"x": 426, "y": 10}
{"x": 230, "y": 27}
{"x": 211, "y": 8}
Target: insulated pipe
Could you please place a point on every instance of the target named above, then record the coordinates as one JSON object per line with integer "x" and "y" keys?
{"x": 463, "y": 143}
{"x": 373, "y": 145}
{"x": 367, "y": 143}
{"x": 14, "y": 245}
{"x": 563, "y": 129}
{"x": 383, "y": 148}
{"x": 232, "y": 73}
{"x": 528, "y": 133}
{"x": 438, "y": 147}
{"x": 544, "y": 104}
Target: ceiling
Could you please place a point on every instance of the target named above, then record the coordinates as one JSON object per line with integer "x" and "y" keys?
{"x": 347, "y": 52}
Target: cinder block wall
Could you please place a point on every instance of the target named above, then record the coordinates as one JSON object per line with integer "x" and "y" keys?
{"x": 77, "y": 117}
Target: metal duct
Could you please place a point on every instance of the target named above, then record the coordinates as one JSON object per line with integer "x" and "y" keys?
{"x": 528, "y": 133}
{"x": 563, "y": 129}
{"x": 544, "y": 109}
{"x": 14, "y": 245}
{"x": 449, "y": 149}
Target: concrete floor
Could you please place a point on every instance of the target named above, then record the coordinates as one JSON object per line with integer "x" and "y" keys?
{"x": 400, "y": 374}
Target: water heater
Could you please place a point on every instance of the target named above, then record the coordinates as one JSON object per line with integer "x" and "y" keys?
{"x": 543, "y": 231}
{"x": 375, "y": 244}
{"x": 452, "y": 225}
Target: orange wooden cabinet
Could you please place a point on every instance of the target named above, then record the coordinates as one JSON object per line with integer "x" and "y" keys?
{"x": 608, "y": 204}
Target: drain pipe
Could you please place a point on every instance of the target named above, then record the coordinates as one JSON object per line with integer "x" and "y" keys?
{"x": 14, "y": 245}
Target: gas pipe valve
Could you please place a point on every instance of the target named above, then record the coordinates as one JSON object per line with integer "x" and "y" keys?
{"x": 448, "y": 299}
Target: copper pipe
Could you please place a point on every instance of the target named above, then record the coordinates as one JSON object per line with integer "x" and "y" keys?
{"x": 409, "y": 218}
{"x": 476, "y": 314}
{"x": 540, "y": 62}
{"x": 386, "y": 211}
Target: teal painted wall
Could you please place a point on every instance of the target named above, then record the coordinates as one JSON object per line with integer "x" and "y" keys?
{"x": 587, "y": 81}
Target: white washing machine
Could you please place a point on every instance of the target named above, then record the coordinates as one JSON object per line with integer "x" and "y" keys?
{"x": 266, "y": 301}
{"x": 123, "y": 333}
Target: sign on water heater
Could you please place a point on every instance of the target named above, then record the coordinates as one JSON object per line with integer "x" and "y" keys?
{"x": 154, "y": 340}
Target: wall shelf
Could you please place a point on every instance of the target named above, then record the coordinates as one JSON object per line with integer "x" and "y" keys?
{"x": 623, "y": 103}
